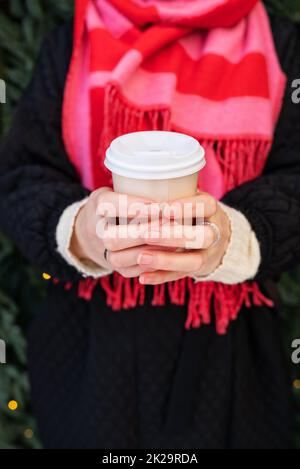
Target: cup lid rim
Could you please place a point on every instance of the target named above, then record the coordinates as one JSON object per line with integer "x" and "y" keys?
{"x": 183, "y": 164}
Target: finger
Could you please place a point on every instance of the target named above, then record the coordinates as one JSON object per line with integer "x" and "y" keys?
{"x": 112, "y": 205}
{"x": 181, "y": 236}
{"x": 126, "y": 258}
{"x": 157, "y": 278}
{"x": 172, "y": 261}
{"x": 200, "y": 206}
{"x": 131, "y": 272}
{"x": 120, "y": 237}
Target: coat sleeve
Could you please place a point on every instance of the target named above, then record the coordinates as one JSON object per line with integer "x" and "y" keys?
{"x": 271, "y": 203}
{"x": 37, "y": 181}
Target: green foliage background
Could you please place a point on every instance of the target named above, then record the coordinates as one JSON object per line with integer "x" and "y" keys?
{"x": 23, "y": 24}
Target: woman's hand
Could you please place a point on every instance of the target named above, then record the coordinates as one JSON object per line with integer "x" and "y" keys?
{"x": 147, "y": 249}
{"x": 98, "y": 240}
{"x": 195, "y": 251}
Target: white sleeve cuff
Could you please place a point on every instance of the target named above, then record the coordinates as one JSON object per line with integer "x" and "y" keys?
{"x": 242, "y": 259}
{"x": 64, "y": 233}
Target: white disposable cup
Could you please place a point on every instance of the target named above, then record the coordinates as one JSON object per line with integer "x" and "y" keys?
{"x": 158, "y": 165}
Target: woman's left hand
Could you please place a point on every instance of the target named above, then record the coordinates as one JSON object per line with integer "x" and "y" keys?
{"x": 187, "y": 249}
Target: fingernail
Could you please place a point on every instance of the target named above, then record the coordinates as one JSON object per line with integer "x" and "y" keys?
{"x": 145, "y": 259}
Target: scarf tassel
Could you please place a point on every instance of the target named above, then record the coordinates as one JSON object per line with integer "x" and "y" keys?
{"x": 122, "y": 117}
{"x": 240, "y": 159}
{"x": 206, "y": 301}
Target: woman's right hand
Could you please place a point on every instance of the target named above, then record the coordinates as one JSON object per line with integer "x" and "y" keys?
{"x": 94, "y": 233}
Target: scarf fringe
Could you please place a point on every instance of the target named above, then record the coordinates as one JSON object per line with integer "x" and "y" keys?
{"x": 121, "y": 117}
{"x": 241, "y": 160}
{"x": 203, "y": 299}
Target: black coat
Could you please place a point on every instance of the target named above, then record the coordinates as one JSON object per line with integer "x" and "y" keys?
{"x": 137, "y": 378}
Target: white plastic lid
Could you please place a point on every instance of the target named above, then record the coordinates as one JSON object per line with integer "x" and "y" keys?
{"x": 155, "y": 155}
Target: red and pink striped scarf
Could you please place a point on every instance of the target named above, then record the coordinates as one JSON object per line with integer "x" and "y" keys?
{"x": 207, "y": 68}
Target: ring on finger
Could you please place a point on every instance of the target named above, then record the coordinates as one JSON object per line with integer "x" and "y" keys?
{"x": 216, "y": 230}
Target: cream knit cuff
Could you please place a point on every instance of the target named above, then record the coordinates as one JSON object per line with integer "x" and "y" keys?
{"x": 242, "y": 259}
{"x": 64, "y": 234}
